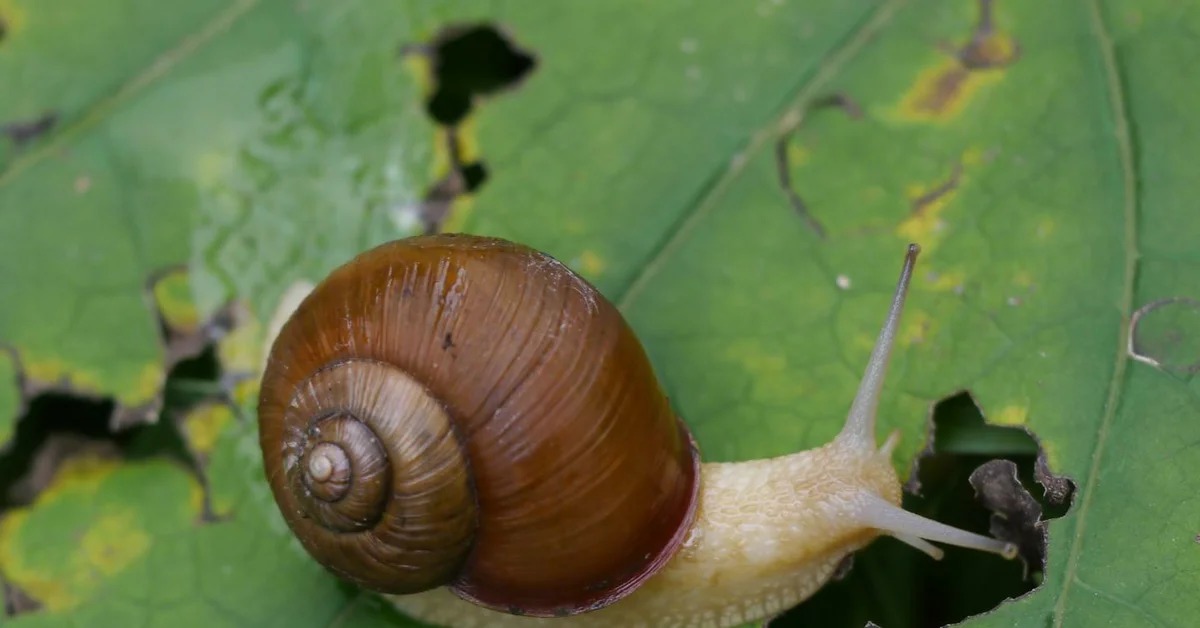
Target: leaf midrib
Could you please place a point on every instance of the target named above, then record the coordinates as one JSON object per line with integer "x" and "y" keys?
{"x": 1121, "y": 131}
{"x": 715, "y": 187}
{"x": 159, "y": 67}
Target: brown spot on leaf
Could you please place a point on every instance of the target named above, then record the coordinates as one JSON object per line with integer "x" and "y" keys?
{"x": 783, "y": 165}
{"x": 942, "y": 91}
{"x": 17, "y": 601}
{"x": 938, "y": 192}
{"x": 986, "y": 48}
{"x": 25, "y": 131}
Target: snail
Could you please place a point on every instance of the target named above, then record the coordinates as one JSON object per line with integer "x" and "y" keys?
{"x": 470, "y": 429}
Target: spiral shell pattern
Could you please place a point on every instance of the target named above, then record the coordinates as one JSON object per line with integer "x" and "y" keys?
{"x": 369, "y": 452}
{"x": 465, "y": 411}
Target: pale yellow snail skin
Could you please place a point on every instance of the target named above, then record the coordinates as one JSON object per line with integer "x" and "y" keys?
{"x": 768, "y": 533}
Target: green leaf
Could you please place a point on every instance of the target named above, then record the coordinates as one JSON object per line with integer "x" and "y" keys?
{"x": 10, "y": 397}
{"x": 239, "y": 147}
{"x": 741, "y": 178}
{"x": 89, "y": 501}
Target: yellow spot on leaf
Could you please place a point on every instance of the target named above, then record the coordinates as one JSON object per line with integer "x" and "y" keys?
{"x": 82, "y": 473}
{"x": 203, "y": 425}
{"x": 148, "y": 384}
{"x": 468, "y": 149}
{"x": 244, "y": 391}
{"x": 195, "y": 501}
{"x": 144, "y": 386}
{"x": 420, "y": 70}
{"x": 54, "y": 370}
{"x": 113, "y": 542}
{"x": 86, "y": 527}
{"x": 460, "y": 211}
{"x": 13, "y": 16}
{"x": 52, "y": 594}
{"x": 941, "y": 92}
{"x": 974, "y": 156}
{"x": 1051, "y": 451}
{"x": 995, "y": 50}
{"x": 1011, "y": 415}
{"x": 925, "y": 221}
{"x": 863, "y": 343}
{"x": 947, "y": 281}
{"x": 76, "y": 476}
{"x": 468, "y": 140}
{"x": 797, "y": 155}
{"x": 212, "y": 168}
{"x": 242, "y": 348}
{"x": 755, "y": 359}
{"x": 173, "y": 296}
{"x": 768, "y": 370}
{"x": 1045, "y": 227}
{"x": 916, "y": 328}
{"x": 1023, "y": 279}
{"x": 591, "y": 264}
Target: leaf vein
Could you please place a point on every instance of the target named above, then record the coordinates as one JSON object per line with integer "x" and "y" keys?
{"x": 713, "y": 188}
{"x": 1120, "y": 602}
{"x": 156, "y": 70}
{"x": 1121, "y": 131}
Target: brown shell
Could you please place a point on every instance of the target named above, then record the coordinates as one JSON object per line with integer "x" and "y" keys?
{"x": 584, "y": 479}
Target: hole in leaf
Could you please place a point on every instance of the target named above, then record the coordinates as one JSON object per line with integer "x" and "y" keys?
{"x": 472, "y": 61}
{"x": 58, "y": 425}
{"x": 17, "y": 601}
{"x": 893, "y": 585}
{"x": 54, "y": 427}
{"x": 468, "y": 61}
{"x": 474, "y": 175}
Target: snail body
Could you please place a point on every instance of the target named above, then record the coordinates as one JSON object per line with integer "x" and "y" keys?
{"x": 467, "y": 427}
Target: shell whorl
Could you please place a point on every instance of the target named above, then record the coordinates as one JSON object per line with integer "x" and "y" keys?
{"x": 369, "y": 452}
{"x": 577, "y": 480}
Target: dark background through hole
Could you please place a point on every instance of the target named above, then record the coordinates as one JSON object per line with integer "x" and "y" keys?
{"x": 895, "y": 585}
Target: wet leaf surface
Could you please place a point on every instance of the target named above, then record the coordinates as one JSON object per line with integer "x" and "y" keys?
{"x": 226, "y": 150}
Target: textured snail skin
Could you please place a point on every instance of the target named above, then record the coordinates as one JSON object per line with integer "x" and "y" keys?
{"x": 769, "y": 534}
{"x": 464, "y": 411}
{"x": 766, "y": 535}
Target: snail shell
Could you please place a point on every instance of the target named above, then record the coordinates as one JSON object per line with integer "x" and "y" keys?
{"x": 463, "y": 411}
